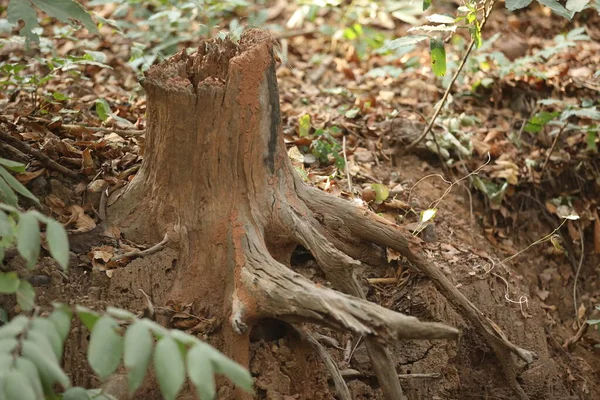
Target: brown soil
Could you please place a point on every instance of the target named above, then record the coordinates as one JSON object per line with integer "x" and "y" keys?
{"x": 287, "y": 368}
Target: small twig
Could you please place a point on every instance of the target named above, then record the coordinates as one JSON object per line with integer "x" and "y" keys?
{"x": 452, "y": 81}
{"x": 348, "y": 177}
{"x": 577, "y": 274}
{"x": 426, "y": 375}
{"x": 291, "y": 34}
{"x": 149, "y": 310}
{"x": 141, "y": 253}
{"x": 389, "y": 281}
{"x": 121, "y": 132}
{"x": 41, "y": 157}
{"x": 338, "y": 380}
{"x": 572, "y": 340}
{"x": 354, "y": 349}
{"x": 170, "y": 310}
{"x": 562, "y": 129}
{"x": 547, "y": 237}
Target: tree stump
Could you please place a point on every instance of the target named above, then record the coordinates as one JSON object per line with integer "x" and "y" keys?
{"x": 217, "y": 181}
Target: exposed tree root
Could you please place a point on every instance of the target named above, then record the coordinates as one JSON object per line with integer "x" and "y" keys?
{"x": 369, "y": 226}
{"x": 270, "y": 289}
{"x": 338, "y": 380}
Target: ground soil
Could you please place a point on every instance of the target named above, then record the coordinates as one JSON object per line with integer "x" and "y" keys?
{"x": 287, "y": 368}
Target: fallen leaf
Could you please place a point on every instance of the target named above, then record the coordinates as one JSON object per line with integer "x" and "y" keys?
{"x": 27, "y": 177}
{"x": 82, "y": 221}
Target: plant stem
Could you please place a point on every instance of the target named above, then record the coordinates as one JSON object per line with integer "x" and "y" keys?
{"x": 454, "y": 78}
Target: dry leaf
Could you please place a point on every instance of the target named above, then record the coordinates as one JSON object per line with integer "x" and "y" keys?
{"x": 27, "y": 177}
{"x": 82, "y": 221}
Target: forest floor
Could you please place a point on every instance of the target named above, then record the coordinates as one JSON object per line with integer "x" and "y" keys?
{"x": 497, "y": 196}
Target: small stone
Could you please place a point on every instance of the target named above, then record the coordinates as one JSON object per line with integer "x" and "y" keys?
{"x": 396, "y": 189}
{"x": 39, "y": 186}
{"x": 428, "y": 234}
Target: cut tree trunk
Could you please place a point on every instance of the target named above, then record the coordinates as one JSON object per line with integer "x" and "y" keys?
{"x": 217, "y": 181}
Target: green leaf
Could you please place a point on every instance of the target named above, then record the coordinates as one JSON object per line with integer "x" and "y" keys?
{"x": 76, "y": 393}
{"x": 7, "y": 345}
{"x": 169, "y": 366}
{"x": 9, "y": 282}
{"x": 558, "y": 8}
{"x": 87, "y": 317}
{"x": 304, "y": 125}
{"x": 426, "y": 4}
{"x": 6, "y": 228}
{"x": 61, "y": 318}
{"x": 539, "y": 120}
{"x": 6, "y": 193}
{"x": 590, "y": 113}
{"x": 17, "y": 386}
{"x": 31, "y": 372}
{"x": 58, "y": 242}
{"x": 106, "y": 347}
{"x": 12, "y": 165}
{"x": 59, "y": 96}
{"x": 14, "y": 327}
{"x": 441, "y": 19}
{"x": 513, "y": 5}
{"x": 438, "y": 57}
{"x": 22, "y": 10}
{"x": 576, "y": 5}
{"x": 157, "y": 330}
{"x": 138, "y": 350}
{"x": 593, "y": 321}
{"x": 234, "y": 371}
{"x": 591, "y": 141}
{"x": 26, "y": 296}
{"x": 120, "y": 313}
{"x": 200, "y": 370}
{"x": 103, "y": 109}
{"x": 3, "y": 316}
{"x": 17, "y": 186}
{"x": 44, "y": 326}
{"x": 381, "y": 192}
{"x": 28, "y": 238}
{"x": 65, "y": 10}
{"x": 404, "y": 42}
{"x": 49, "y": 369}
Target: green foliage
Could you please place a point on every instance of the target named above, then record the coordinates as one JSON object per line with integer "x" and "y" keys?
{"x": 381, "y": 192}
{"x": 438, "y": 57}
{"x": 64, "y": 10}
{"x": 22, "y": 77}
{"x": 594, "y": 322}
{"x": 325, "y": 146}
{"x": 560, "y": 120}
{"x": 31, "y": 350}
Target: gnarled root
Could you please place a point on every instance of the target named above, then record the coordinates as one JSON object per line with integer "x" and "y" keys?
{"x": 368, "y": 226}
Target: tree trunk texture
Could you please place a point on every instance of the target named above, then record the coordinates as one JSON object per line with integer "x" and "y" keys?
{"x": 217, "y": 181}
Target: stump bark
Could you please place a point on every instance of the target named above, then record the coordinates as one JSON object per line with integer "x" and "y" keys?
{"x": 217, "y": 181}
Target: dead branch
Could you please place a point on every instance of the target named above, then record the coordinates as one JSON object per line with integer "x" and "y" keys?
{"x": 41, "y": 157}
{"x": 141, "y": 253}
{"x": 120, "y": 132}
